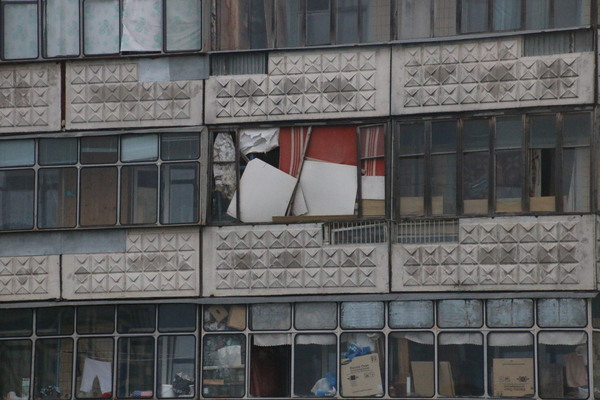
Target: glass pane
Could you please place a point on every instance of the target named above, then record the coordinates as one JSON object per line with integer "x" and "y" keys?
{"x": 347, "y": 21}
{"x": 508, "y": 313}
{"x": 16, "y": 322}
{"x": 98, "y": 196}
{"x": 362, "y": 364}
{"x": 179, "y": 194}
{"x": 317, "y": 22}
{"x": 95, "y": 319}
{"x": 362, "y": 315}
{"x": 576, "y": 179}
{"x": 180, "y": 146}
{"x": 61, "y": 24}
{"x": 58, "y": 151}
{"x": 94, "y": 367}
{"x": 270, "y": 365}
{"x": 411, "y": 314}
{"x": 543, "y": 131}
{"x": 537, "y": 14}
{"x": 596, "y": 361}
{"x": 568, "y": 13}
{"x": 315, "y": 366}
{"x": 596, "y": 312}
{"x": 411, "y": 184}
{"x": 443, "y": 136}
{"x": 101, "y": 26}
{"x": 411, "y": 364}
{"x": 542, "y": 179}
{"x": 16, "y": 153}
{"x": 184, "y": 25}
{"x": 507, "y": 14}
{"x": 460, "y": 313}
{"x": 139, "y": 194}
{"x": 289, "y": 23}
{"x": 266, "y": 317}
{"x": 443, "y": 184}
{"x": 136, "y": 318}
{"x": 460, "y": 364}
{"x": 15, "y": 368}
{"x": 177, "y": 317}
{"x": 444, "y": 15}
{"x": 577, "y": 129}
{"x": 476, "y": 134}
{"x": 562, "y": 313}
{"x": 99, "y": 150}
{"x": 135, "y": 368}
{"x": 509, "y": 132}
{"x": 176, "y": 366}
{"x": 16, "y": 199}
{"x": 225, "y": 318}
{"x": 474, "y": 17}
{"x": 139, "y": 148}
{"x": 508, "y": 181}
{"x": 53, "y": 369}
{"x": 57, "y": 197}
{"x": 224, "y": 366}
{"x": 141, "y": 25}
{"x": 562, "y": 365}
{"x": 20, "y": 31}
{"x": 510, "y": 364}
{"x": 375, "y": 19}
{"x": 415, "y": 17}
{"x": 55, "y": 321}
{"x": 316, "y": 316}
{"x": 412, "y": 139}
{"x": 224, "y": 175}
{"x": 475, "y": 182}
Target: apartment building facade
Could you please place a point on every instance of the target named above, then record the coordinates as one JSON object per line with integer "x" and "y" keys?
{"x": 299, "y": 198}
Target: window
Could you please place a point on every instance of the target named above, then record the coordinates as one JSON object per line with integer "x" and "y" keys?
{"x": 493, "y": 169}
{"x": 352, "y": 349}
{"x": 260, "y": 24}
{"x": 109, "y": 27}
{"x": 298, "y": 171}
{"x": 117, "y": 180}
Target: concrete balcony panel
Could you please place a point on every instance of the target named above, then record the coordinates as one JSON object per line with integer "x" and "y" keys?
{"x": 315, "y": 84}
{"x": 486, "y": 74}
{"x": 105, "y": 94}
{"x": 156, "y": 263}
{"x": 499, "y": 254}
{"x": 30, "y": 98}
{"x": 285, "y": 259}
{"x": 29, "y": 278}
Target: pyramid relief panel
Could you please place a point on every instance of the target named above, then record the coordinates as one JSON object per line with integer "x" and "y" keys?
{"x": 156, "y": 263}
{"x": 311, "y": 85}
{"x": 525, "y": 253}
{"x": 486, "y": 75}
{"x": 274, "y": 260}
{"x": 29, "y": 278}
{"x": 109, "y": 94}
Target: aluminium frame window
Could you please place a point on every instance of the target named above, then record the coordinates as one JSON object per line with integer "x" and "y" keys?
{"x": 46, "y": 29}
{"x": 92, "y": 181}
{"x": 509, "y": 163}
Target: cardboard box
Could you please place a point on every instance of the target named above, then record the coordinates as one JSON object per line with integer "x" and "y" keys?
{"x": 361, "y": 376}
{"x": 218, "y": 312}
{"x": 422, "y": 375}
{"x": 237, "y": 318}
{"x": 513, "y": 377}
{"x": 373, "y": 208}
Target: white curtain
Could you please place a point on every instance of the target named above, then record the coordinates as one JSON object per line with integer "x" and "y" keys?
{"x": 272, "y": 339}
{"x": 101, "y": 27}
{"x": 510, "y": 339}
{"x": 460, "y": 338}
{"x": 562, "y": 338}
{"x": 62, "y": 27}
{"x": 322, "y": 340}
{"x": 183, "y": 22}
{"x": 20, "y": 31}
{"x": 142, "y": 25}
